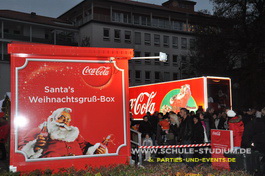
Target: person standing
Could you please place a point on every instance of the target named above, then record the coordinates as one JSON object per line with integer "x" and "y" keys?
{"x": 237, "y": 126}
{"x": 198, "y": 131}
{"x": 185, "y": 135}
{"x": 145, "y": 127}
{"x": 154, "y": 120}
{"x": 4, "y": 134}
{"x": 174, "y": 127}
{"x": 147, "y": 142}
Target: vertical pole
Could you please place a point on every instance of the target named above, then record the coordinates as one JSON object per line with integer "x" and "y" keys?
{"x": 140, "y": 153}
{"x": 187, "y": 22}
{"x": 92, "y": 10}
{"x": 2, "y": 30}
{"x": 2, "y": 52}
{"x": 110, "y": 13}
{"x": 2, "y": 43}
{"x": 169, "y": 19}
{"x": 151, "y": 19}
{"x": 30, "y": 33}
{"x": 54, "y": 37}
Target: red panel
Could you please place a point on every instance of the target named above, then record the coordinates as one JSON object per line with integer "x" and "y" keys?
{"x": 45, "y": 78}
{"x": 165, "y": 97}
{"x": 222, "y": 141}
{"x": 57, "y": 50}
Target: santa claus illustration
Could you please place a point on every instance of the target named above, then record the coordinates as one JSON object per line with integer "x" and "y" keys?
{"x": 57, "y": 138}
{"x": 181, "y": 99}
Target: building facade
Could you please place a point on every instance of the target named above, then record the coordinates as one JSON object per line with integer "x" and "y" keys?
{"x": 147, "y": 28}
{"x": 24, "y": 27}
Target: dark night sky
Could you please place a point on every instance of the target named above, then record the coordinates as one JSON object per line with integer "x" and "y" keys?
{"x": 54, "y": 8}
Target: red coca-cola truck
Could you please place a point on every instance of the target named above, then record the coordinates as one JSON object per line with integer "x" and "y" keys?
{"x": 193, "y": 93}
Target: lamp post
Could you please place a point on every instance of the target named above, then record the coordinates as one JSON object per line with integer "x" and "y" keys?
{"x": 162, "y": 57}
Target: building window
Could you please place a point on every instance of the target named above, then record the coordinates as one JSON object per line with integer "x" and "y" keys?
{"x": 183, "y": 62}
{"x": 126, "y": 18}
{"x": 163, "y": 23}
{"x": 175, "y": 60}
{"x": 6, "y": 30}
{"x": 147, "y": 61}
{"x": 167, "y": 76}
{"x": 166, "y": 41}
{"x": 183, "y": 43}
{"x": 155, "y": 22}
{"x": 147, "y": 39}
{"x": 175, "y": 42}
{"x": 17, "y": 32}
{"x": 145, "y": 20}
{"x": 106, "y": 34}
{"x": 175, "y": 76}
{"x": 138, "y": 76}
{"x": 192, "y": 43}
{"x": 157, "y": 40}
{"x": 167, "y": 62}
{"x": 127, "y": 36}
{"x": 157, "y": 62}
{"x": 117, "y": 17}
{"x": 177, "y": 25}
{"x": 46, "y": 36}
{"x": 157, "y": 76}
{"x": 137, "y": 38}
{"x": 117, "y": 35}
{"x": 147, "y": 76}
{"x": 137, "y": 54}
{"x": 136, "y": 19}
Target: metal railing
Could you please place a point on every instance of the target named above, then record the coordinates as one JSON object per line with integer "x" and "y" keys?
{"x": 136, "y": 142}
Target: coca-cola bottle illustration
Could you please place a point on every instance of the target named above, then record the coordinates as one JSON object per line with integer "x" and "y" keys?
{"x": 105, "y": 142}
{"x": 41, "y": 143}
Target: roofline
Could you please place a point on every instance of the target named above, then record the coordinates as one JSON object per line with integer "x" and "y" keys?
{"x": 39, "y": 24}
{"x": 160, "y": 7}
{"x": 211, "y": 77}
{"x": 72, "y": 8}
{"x": 120, "y": 2}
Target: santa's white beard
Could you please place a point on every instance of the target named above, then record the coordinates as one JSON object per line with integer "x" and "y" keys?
{"x": 68, "y": 134}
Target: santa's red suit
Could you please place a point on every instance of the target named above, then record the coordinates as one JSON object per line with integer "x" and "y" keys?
{"x": 70, "y": 146}
{"x": 181, "y": 99}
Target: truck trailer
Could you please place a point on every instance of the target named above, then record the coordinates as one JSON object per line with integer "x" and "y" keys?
{"x": 192, "y": 94}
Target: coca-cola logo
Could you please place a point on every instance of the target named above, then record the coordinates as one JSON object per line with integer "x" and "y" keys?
{"x": 143, "y": 103}
{"x": 100, "y": 71}
{"x": 217, "y": 133}
{"x": 96, "y": 74}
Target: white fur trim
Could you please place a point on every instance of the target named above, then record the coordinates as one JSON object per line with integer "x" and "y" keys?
{"x": 29, "y": 150}
{"x": 65, "y": 135}
{"x": 93, "y": 148}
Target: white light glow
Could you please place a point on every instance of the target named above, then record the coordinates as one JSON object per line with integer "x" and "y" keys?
{"x": 22, "y": 55}
{"x": 21, "y": 121}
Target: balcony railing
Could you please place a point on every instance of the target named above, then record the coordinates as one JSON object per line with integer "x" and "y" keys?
{"x": 155, "y": 23}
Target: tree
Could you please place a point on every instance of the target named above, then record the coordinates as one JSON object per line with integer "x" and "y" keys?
{"x": 234, "y": 45}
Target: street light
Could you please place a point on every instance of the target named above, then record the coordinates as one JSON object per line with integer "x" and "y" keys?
{"x": 162, "y": 57}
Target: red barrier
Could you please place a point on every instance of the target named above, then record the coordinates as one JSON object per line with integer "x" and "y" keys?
{"x": 176, "y": 146}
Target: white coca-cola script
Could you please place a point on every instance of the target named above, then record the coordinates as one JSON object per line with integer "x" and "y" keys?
{"x": 100, "y": 71}
{"x": 217, "y": 133}
{"x": 143, "y": 103}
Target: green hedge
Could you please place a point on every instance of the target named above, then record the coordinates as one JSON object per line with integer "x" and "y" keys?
{"x": 161, "y": 169}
